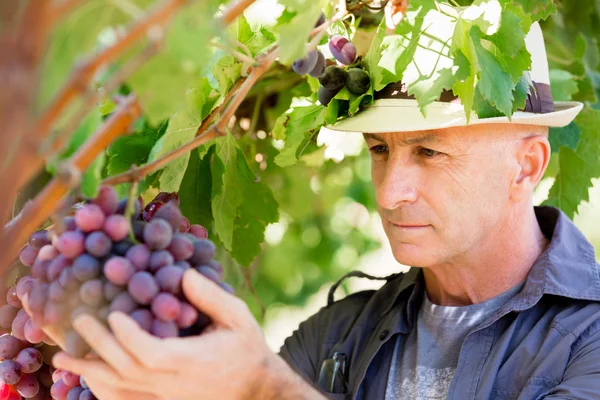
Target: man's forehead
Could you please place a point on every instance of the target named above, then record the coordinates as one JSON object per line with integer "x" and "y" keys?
{"x": 407, "y": 138}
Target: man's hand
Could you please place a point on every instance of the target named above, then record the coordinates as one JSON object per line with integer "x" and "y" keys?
{"x": 230, "y": 360}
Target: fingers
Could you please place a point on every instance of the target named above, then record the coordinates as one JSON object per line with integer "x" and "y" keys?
{"x": 102, "y": 391}
{"x": 53, "y": 332}
{"x": 221, "y": 307}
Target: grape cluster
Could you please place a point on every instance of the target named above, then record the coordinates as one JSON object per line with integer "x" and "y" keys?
{"x": 69, "y": 386}
{"x": 333, "y": 78}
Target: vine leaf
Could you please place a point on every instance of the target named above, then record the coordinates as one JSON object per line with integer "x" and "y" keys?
{"x": 196, "y": 188}
{"x": 300, "y": 127}
{"x": 294, "y": 26}
{"x": 563, "y": 85}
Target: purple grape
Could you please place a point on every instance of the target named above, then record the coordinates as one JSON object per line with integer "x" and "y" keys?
{"x": 107, "y": 199}
{"x": 59, "y": 390}
{"x": 68, "y": 280}
{"x": 169, "y": 279}
{"x": 90, "y": 218}
{"x": 181, "y": 247}
{"x": 164, "y": 329}
{"x": 28, "y": 255}
{"x": 124, "y": 303}
{"x": 116, "y": 227}
{"x": 48, "y": 253}
{"x": 70, "y": 224}
{"x": 158, "y": 234}
{"x": 184, "y": 226}
{"x": 75, "y": 345}
{"x": 10, "y": 372}
{"x": 98, "y": 244}
{"x": 198, "y": 231}
{"x": 159, "y": 259}
{"x": 138, "y": 230}
{"x": 170, "y": 213}
{"x": 342, "y": 49}
{"x": 32, "y": 332}
{"x": 56, "y": 292}
{"x": 56, "y": 266}
{"x": 138, "y": 206}
{"x": 28, "y": 386}
{"x": 209, "y": 273}
{"x": 86, "y": 267}
{"x": 7, "y": 315}
{"x": 87, "y": 395}
{"x": 70, "y": 244}
{"x": 38, "y": 297}
{"x": 334, "y": 78}
{"x": 358, "y": 81}
{"x": 111, "y": 291}
{"x": 166, "y": 307}
{"x": 204, "y": 251}
{"x": 144, "y": 318}
{"x": 30, "y": 360}
{"x": 12, "y": 298}
{"x": 139, "y": 256}
{"x": 187, "y": 316}
{"x": 10, "y": 346}
{"x": 183, "y": 265}
{"x": 91, "y": 292}
{"x": 40, "y": 268}
{"x": 215, "y": 265}
{"x": 121, "y": 248}
{"x": 319, "y": 67}
{"x": 118, "y": 270}
{"x": 70, "y": 379}
{"x": 304, "y": 65}
{"x": 227, "y": 287}
{"x": 142, "y": 287}
{"x": 24, "y": 286}
{"x": 74, "y": 393}
{"x": 39, "y": 239}
{"x": 325, "y": 95}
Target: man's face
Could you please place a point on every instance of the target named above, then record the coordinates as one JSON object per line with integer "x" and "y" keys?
{"x": 441, "y": 193}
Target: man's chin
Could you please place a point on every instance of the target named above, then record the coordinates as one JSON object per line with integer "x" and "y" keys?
{"x": 412, "y": 255}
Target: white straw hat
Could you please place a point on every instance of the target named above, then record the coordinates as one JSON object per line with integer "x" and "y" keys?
{"x": 394, "y": 110}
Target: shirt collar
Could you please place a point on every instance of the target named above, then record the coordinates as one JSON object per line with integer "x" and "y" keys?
{"x": 567, "y": 268}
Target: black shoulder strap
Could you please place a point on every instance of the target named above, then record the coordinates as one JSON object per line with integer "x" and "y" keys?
{"x": 359, "y": 274}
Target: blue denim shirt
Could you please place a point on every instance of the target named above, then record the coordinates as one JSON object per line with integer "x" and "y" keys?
{"x": 542, "y": 344}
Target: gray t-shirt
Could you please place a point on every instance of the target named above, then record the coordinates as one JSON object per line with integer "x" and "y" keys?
{"x": 424, "y": 363}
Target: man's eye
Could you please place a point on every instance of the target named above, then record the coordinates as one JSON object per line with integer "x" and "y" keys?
{"x": 428, "y": 152}
{"x": 379, "y": 149}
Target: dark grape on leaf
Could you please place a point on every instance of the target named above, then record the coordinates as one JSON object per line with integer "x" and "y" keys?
{"x": 333, "y": 78}
{"x": 358, "y": 81}
{"x": 326, "y": 95}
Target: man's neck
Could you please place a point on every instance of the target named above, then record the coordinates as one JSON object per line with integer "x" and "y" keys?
{"x": 493, "y": 268}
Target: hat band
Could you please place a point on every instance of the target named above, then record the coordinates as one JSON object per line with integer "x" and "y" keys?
{"x": 539, "y": 99}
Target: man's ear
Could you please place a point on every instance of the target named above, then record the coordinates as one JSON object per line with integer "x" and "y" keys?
{"x": 532, "y": 157}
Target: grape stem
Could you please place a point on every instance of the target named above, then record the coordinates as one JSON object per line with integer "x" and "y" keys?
{"x": 238, "y": 55}
{"x": 130, "y": 208}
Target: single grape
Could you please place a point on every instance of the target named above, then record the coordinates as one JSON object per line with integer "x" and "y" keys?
{"x": 326, "y": 95}
{"x": 98, "y": 244}
{"x": 333, "y": 78}
{"x": 169, "y": 279}
{"x": 7, "y": 315}
{"x": 56, "y": 266}
{"x": 28, "y": 255}
{"x": 38, "y": 297}
{"x": 304, "y": 65}
{"x": 75, "y": 345}
{"x": 69, "y": 223}
{"x": 56, "y": 375}
{"x": 70, "y": 244}
{"x": 187, "y": 316}
{"x": 12, "y": 298}
{"x": 39, "y": 239}
{"x": 166, "y": 307}
{"x": 217, "y": 267}
{"x": 199, "y": 231}
{"x": 111, "y": 291}
{"x": 150, "y": 209}
{"x": 116, "y": 227}
{"x": 138, "y": 206}
{"x": 24, "y": 286}
{"x": 121, "y": 247}
{"x": 59, "y": 390}
{"x": 158, "y": 234}
{"x": 10, "y": 372}
{"x": 91, "y": 292}
{"x": 184, "y": 226}
{"x": 47, "y": 253}
{"x": 18, "y": 325}
{"x": 68, "y": 280}
{"x": 86, "y": 267}
{"x": 87, "y": 395}
{"x": 164, "y": 329}
{"x": 70, "y": 379}
{"x": 138, "y": 230}
{"x": 40, "y": 268}
{"x": 107, "y": 199}
{"x": 204, "y": 251}
{"x": 358, "y": 81}
{"x": 28, "y": 386}
{"x": 74, "y": 393}
{"x": 170, "y": 213}
{"x": 342, "y": 49}
{"x": 142, "y": 287}
{"x": 10, "y": 346}
{"x": 118, "y": 270}
{"x": 181, "y": 247}
{"x": 30, "y": 360}
{"x": 183, "y": 265}
{"x": 144, "y": 318}
{"x": 33, "y": 333}
{"x": 159, "y": 259}
{"x": 139, "y": 256}
{"x": 124, "y": 303}
{"x": 319, "y": 68}
{"x": 209, "y": 273}
{"x": 90, "y": 218}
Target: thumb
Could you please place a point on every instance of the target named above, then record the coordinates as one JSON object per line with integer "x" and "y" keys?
{"x": 208, "y": 297}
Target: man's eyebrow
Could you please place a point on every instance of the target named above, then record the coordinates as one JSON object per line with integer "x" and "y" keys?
{"x": 429, "y": 138}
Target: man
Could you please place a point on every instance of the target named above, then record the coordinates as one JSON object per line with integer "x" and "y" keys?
{"x": 503, "y": 301}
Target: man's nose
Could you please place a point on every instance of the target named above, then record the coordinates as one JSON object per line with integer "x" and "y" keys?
{"x": 399, "y": 185}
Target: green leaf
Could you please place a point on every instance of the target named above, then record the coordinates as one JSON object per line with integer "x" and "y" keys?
{"x": 577, "y": 167}
{"x": 226, "y": 198}
{"x": 196, "y": 188}
{"x": 302, "y": 125}
{"x": 132, "y": 149}
{"x": 227, "y": 70}
{"x": 294, "y": 27}
{"x": 92, "y": 178}
{"x": 254, "y": 39}
{"x": 563, "y": 85}
{"x": 332, "y": 113}
{"x": 510, "y": 38}
{"x": 357, "y": 101}
{"x": 566, "y": 136}
{"x": 538, "y": 9}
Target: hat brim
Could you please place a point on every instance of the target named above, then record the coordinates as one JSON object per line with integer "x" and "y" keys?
{"x": 404, "y": 115}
